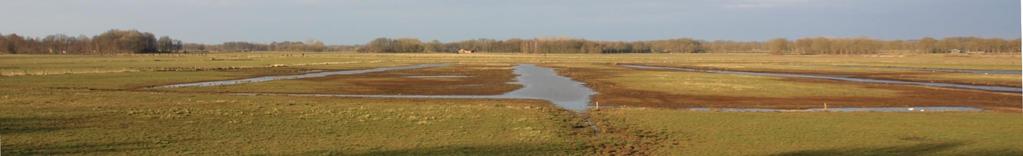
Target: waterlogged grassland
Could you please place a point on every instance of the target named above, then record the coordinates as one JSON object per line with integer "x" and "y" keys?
{"x": 13, "y": 65}
{"x": 622, "y": 86}
{"x": 699, "y": 84}
{"x": 455, "y": 79}
{"x": 719, "y": 133}
{"x": 56, "y": 104}
{"x": 963, "y": 78}
{"x": 140, "y": 123}
{"x": 122, "y": 80}
{"x": 876, "y": 66}
{"x": 142, "y": 79}
{"x": 898, "y": 67}
{"x": 872, "y": 72}
{"x": 991, "y": 62}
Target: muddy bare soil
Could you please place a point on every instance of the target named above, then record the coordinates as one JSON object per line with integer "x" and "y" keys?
{"x": 900, "y": 76}
{"x": 456, "y": 79}
{"x": 312, "y": 74}
{"x": 611, "y": 95}
{"x": 837, "y": 77}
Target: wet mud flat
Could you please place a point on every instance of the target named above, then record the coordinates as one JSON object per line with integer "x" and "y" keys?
{"x": 298, "y": 76}
{"x": 613, "y": 94}
{"x": 1003, "y": 78}
{"x": 456, "y": 79}
{"x": 451, "y": 79}
{"x": 530, "y": 82}
{"x": 839, "y": 78}
{"x": 539, "y": 83}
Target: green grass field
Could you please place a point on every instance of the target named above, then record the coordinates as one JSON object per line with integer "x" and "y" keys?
{"x": 757, "y": 86}
{"x": 720, "y": 133}
{"x": 36, "y": 122}
{"x": 96, "y": 105}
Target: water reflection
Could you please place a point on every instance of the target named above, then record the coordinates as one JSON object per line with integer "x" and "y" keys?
{"x": 544, "y": 83}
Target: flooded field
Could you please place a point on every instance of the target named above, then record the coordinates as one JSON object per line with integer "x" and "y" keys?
{"x": 424, "y": 104}
{"x": 544, "y": 83}
{"x": 841, "y": 78}
{"x": 300, "y": 76}
{"x": 538, "y": 83}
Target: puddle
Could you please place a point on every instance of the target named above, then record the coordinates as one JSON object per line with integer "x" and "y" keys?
{"x": 849, "y": 109}
{"x": 300, "y": 76}
{"x": 544, "y": 83}
{"x": 842, "y": 78}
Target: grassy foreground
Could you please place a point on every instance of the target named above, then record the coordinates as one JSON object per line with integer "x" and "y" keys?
{"x": 717, "y": 133}
{"x": 34, "y": 122}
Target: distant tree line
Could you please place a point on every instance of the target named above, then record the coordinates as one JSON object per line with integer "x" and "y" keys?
{"x": 538, "y": 45}
{"x": 811, "y": 45}
{"x": 113, "y": 41}
{"x": 240, "y": 46}
{"x": 133, "y": 41}
{"x": 822, "y": 45}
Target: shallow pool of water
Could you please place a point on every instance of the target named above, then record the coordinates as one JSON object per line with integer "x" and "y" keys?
{"x": 841, "y": 78}
{"x": 544, "y": 83}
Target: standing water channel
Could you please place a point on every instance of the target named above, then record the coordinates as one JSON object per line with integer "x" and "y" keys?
{"x": 544, "y": 83}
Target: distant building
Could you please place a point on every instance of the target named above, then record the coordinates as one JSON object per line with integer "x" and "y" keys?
{"x": 466, "y": 51}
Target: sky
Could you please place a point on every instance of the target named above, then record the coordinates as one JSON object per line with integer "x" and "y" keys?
{"x": 358, "y": 21}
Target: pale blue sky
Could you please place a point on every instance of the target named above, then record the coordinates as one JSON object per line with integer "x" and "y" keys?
{"x": 358, "y": 21}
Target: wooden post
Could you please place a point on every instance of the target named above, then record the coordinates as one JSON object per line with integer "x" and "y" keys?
{"x": 825, "y": 106}
{"x": 598, "y": 104}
